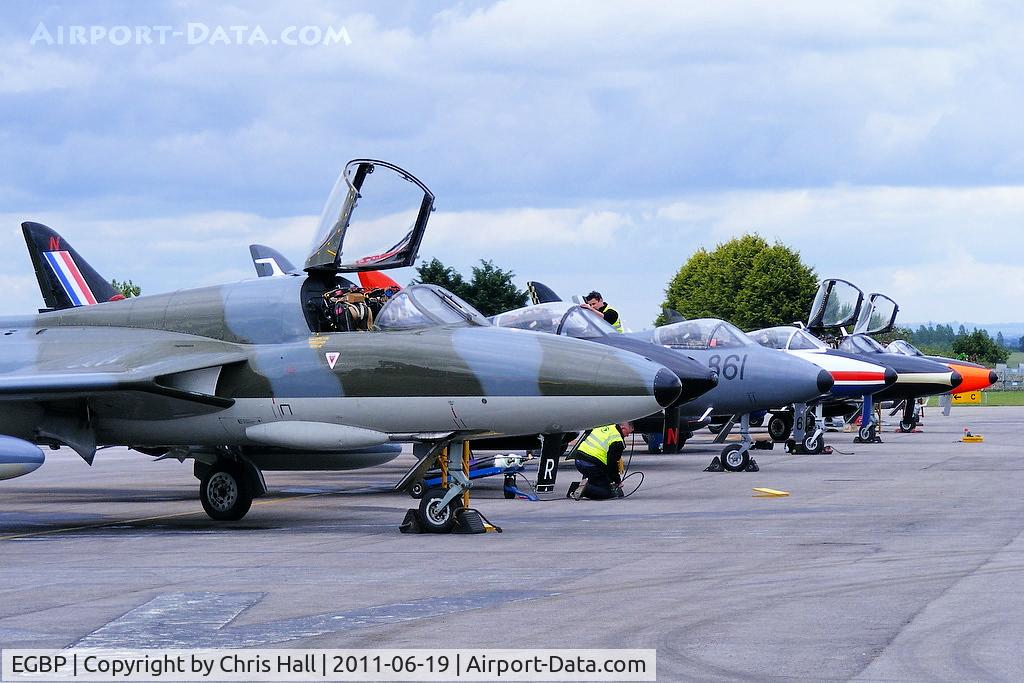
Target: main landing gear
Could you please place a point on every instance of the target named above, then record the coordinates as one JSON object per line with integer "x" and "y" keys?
{"x": 911, "y": 416}
{"x": 868, "y": 432}
{"x": 227, "y": 485}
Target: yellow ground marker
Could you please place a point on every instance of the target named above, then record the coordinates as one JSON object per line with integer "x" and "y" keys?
{"x": 769, "y": 493}
{"x": 973, "y": 438}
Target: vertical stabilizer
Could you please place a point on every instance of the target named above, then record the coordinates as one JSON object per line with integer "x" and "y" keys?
{"x": 66, "y": 280}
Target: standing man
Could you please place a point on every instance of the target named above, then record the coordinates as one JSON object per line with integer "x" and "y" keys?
{"x": 594, "y": 302}
{"x": 598, "y": 458}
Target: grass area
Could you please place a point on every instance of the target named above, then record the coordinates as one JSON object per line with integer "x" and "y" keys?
{"x": 1015, "y": 359}
{"x": 1003, "y": 398}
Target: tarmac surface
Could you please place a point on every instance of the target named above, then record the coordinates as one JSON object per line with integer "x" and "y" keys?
{"x": 898, "y": 561}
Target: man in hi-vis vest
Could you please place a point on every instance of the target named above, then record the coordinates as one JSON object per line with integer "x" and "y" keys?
{"x": 595, "y": 302}
{"x": 598, "y": 458}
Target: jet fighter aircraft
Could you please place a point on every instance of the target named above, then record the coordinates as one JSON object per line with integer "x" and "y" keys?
{"x": 853, "y": 378}
{"x": 255, "y": 375}
{"x": 837, "y": 304}
{"x": 879, "y": 317}
{"x": 752, "y": 378}
{"x": 749, "y": 378}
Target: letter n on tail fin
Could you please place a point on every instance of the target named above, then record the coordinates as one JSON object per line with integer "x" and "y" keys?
{"x": 65, "y": 279}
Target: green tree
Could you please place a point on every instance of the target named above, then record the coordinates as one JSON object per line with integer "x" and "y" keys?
{"x": 979, "y": 347}
{"x": 1000, "y": 340}
{"x": 436, "y": 273}
{"x": 746, "y": 281}
{"x": 490, "y": 289}
{"x": 127, "y": 288}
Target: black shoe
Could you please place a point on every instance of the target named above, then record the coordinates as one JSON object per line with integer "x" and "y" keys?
{"x": 572, "y": 489}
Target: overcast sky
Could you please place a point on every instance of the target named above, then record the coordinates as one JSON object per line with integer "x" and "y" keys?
{"x": 587, "y": 145}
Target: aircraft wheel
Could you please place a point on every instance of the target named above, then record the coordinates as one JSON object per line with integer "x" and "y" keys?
{"x": 417, "y": 489}
{"x": 867, "y": 433}
{"x": 757, "y": 421}
{"x": 779, "y": 428}
{"x": 734, "y": 458}
{"x": 715, "y": 428}
{"x": 224, "y": 494}
{"x": 436, "y": 519}
{"x": 814, "y": 445}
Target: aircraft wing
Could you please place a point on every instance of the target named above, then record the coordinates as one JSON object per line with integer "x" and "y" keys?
{"x": 112, "y": 367}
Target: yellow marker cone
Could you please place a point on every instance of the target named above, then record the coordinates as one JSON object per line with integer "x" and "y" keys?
{"x": 769, "y": 493}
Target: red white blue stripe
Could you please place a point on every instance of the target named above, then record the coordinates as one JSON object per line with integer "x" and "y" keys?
{"x": 71, "y": 278}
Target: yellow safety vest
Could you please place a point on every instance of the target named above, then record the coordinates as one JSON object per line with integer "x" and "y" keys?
{"x": 618, "y": 321}
{"x": 600, "y": 440}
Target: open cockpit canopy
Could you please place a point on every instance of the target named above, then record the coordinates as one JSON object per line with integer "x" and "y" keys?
{"x": 877, "y": 316}
{"x": 836, "y": 304}
{"x": 387, "y": 229}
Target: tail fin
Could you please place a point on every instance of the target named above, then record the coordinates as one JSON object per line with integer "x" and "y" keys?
{"x": 374, "y": 279}
{"x": 66, "y": 280}
{"x": 671, "y": 315}
{"x": 540, "y": 293}
{"x": 269, "y": 261}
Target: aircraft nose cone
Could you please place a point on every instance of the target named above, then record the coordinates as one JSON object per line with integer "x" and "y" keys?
{"x": 955, "y": 379}
{"x": 666, "y": 387}
{"x": 992, "y": 377}
{"x": 890, "y": 377}
{"x": 825, "y": 381}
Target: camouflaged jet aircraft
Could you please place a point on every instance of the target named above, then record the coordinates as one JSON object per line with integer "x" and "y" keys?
{"x": 261, "y": 374}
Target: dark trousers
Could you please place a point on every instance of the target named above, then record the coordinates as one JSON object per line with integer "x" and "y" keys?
{"x": 599, "y": 482}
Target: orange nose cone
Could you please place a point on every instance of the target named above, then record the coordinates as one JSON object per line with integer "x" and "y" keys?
{"x": 975, "y": 379}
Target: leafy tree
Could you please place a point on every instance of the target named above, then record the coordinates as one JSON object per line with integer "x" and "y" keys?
{"x": 436, "y": 273}
{"x": 1020, "y": 344}
{"x": 490, "y": 289}
{"x": 979, "y": 347}
{"x": 1000, "y": 340}
{"x": 745, "y": 281}
{"x": 127, "y": 288}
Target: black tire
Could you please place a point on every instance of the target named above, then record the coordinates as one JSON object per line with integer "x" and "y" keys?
{"x": 867, "y": 433}
{"x": 225, "y": 494}
{"x": 437, "y": 520}
{"x": 510, "y": 481}
{"x": 417, "y": 489}
{"x": 757, "y": 421}
{"x": 908, "y": 425}
{"x": 734, "y": 458}
{"x": 779, "y": 428}
{"x": 715, "y": 428}
{"x": 813, "y": 445}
